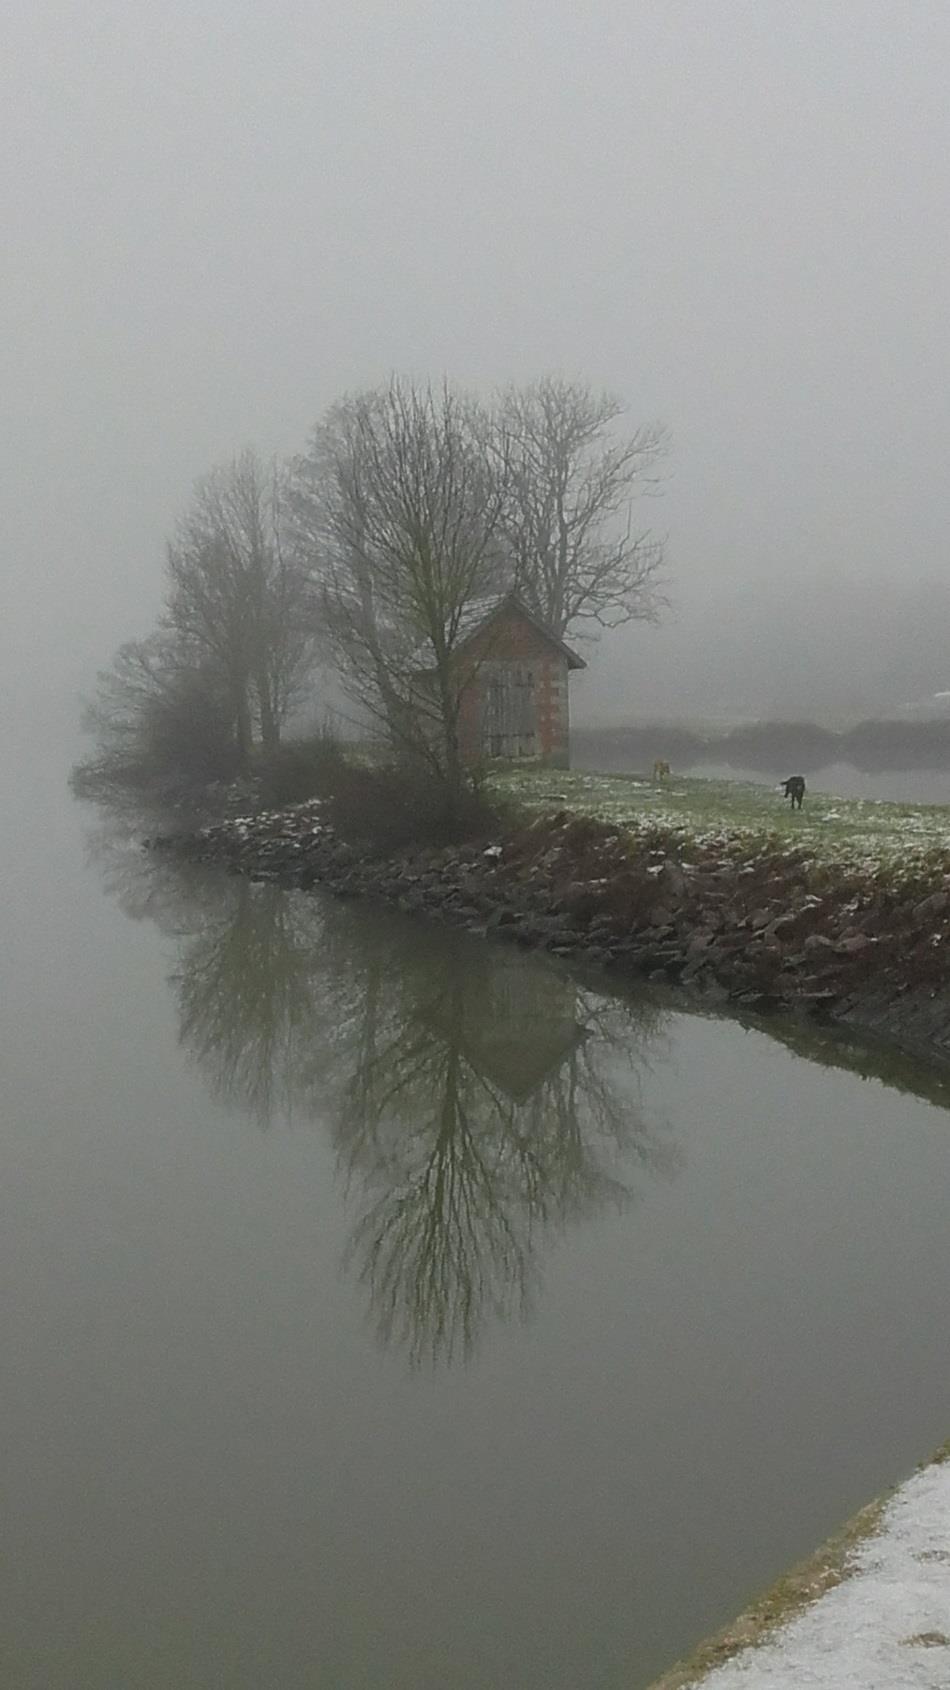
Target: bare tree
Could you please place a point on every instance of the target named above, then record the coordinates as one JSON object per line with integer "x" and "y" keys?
{"x": 400, "y": 500}
{"x": 159, "y": 715}
{"x": 239, "y": 595}
{"x": 569, "y": 520}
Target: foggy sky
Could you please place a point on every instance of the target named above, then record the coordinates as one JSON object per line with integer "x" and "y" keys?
{"x": 219, "y": 215}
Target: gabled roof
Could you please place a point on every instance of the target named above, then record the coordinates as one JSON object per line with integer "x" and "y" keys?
{"x": 479, "y": 614}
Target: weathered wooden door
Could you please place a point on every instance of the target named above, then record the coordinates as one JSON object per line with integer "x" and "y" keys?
{"x": 509, "y": 712}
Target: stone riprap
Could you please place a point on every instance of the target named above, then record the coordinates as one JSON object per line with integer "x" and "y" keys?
{"x": 755, "y": 923}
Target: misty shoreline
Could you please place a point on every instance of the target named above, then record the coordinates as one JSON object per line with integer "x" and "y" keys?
{"x": 735, "y": 924}
{"x": 870, "y": 747}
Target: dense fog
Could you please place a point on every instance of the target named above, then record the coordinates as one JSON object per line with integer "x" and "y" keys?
{"x": 218, "y": 218}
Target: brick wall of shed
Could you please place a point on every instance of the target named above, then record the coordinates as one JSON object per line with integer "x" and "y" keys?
{"x": 514, "y": 640}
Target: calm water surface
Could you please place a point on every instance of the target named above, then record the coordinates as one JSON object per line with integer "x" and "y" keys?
{"x": 382, "y": 1311}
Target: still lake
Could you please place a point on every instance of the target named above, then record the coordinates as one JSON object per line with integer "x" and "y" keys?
{"x": 383, "y": 1310}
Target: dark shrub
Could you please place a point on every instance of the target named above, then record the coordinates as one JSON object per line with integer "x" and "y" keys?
{"x": 766, "y": 746}
{"x": 161, "y": 722}
{"x": 392, "y": 807}
{"x": 874, "y": 746}
{"x": 301, "y": 769}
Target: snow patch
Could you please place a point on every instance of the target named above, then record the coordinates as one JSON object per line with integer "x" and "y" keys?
{"x": 886, "y": 1627}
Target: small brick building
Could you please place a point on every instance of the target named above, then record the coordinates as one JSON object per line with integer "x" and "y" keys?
{"x": 514, "y": 687}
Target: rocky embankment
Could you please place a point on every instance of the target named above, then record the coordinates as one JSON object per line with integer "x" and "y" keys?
{"x": 746, "y": 921}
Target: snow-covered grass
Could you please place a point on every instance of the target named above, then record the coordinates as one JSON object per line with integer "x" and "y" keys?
{"x": 858, "y": 832}
{"x": 885, "y": 1626}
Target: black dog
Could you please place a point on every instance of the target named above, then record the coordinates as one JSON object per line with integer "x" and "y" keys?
{"x": 794, "y": 788}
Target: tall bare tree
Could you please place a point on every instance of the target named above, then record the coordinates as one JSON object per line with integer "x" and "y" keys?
{"x": 239, "y": 595}
{"x": 573, "y": 480}
{"x": 401, "y": 500}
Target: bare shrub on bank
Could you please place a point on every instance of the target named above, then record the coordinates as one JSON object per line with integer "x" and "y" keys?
{"x": 160, "y": 720}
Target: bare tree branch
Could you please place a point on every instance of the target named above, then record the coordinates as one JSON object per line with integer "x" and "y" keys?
{"x": 239, "y": 593}
{"x": 569, "y": 519}
{"x": 400, "y": 502}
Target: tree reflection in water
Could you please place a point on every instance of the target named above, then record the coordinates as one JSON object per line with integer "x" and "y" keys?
{"x": 248, "y": 986}
{"x": 480, "y": 1100}
{"x": 485, "y": 1110}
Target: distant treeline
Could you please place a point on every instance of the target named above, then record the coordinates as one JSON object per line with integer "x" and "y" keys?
{"x": 802, "y": 747}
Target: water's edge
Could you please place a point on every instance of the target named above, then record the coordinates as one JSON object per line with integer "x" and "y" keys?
{"x": 798, "y": 1590}
{"x": 792, "y": 964}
